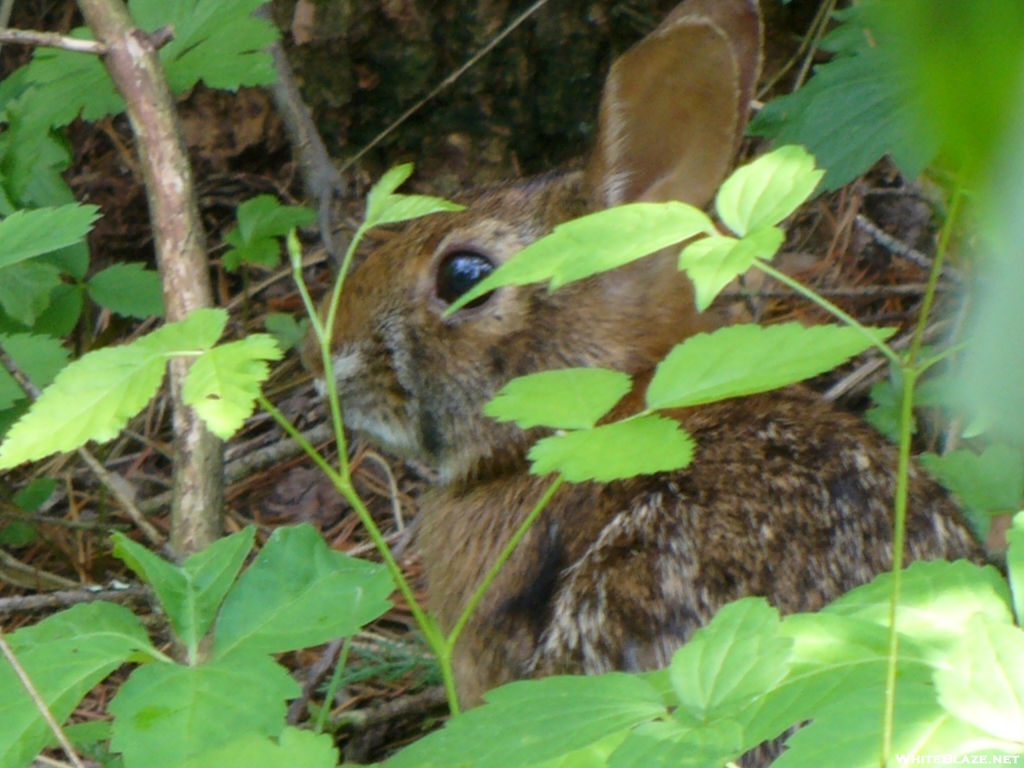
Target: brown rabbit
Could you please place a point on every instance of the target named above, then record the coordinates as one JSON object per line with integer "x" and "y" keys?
{"x": 787, "y": 497}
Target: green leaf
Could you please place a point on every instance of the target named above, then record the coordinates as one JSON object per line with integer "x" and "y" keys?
{"x": 10, "y": 390}
{"x": 65, "y": 655}
{"x": 536, "y": 720}
{"x": 299, "y": 593}
{"x": 217, "y": 41}
{"x": 286, "y": 331}
{"x": 572, "y": 398}
{"x": 265, "y": 217}
{"x": 398, "y": 208}
{"x": 39, "y": 357}
{"x": 714, "y": 262}
{"x": 849, "y": 732}
{"x": 1015, "y": 564}
{"x": 990, "y": 482}
{"x": 294, "y": 747}
{"x": 128, "y": 289}
{"x": 641, "y": 446}
{"x": 93, "y": 397}
{"x": 192, "y": 593}
{"x": 17, "y": 533}
{"x": 61, "y": 317}
{"x": 376, "y": 200}
{"x": 763, "y": 193}
{"x": 69, "y": 84}
{"x": 26, "y": 288}
{"x": 596, "y": 243}
{"x": 223, "y": 383}
{"x": 25, "y": 234}
{"x": 886, "y": 411}
{"x": 72, "y": 260}
{"x": 740, "y": 655}
{"x": 167, "y": 714}
{"x": 265, "y": 252}
{"x": 852, "y": 112}
{"x": 936, "y": 600}
{"x": 35, "y": 494}
{"x": 832, "y": 658}
{"x": 983, "y": 682}
{"x": 745, "y": 359}
{"x": 669, "y": 745}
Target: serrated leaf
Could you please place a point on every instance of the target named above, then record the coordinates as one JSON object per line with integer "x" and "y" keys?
{"x": 936, "y": 600}
{"x": 217, "y": 41}
{"x": 26, "y": 288}
{"x": 640, "y": 446}
{"x": 93, "y": 397}
{"x": 745, "y": 359}
{"x": 740, "y": 655}
{"x": 61, "y": 317}
{"x": 713, "y": 262}
{"x": 167, "y": 714}
{"x": 263, "y": 251}
{"x": 286, "y": 330}
{"x": 992, "y": 481}
{"x": 536, "y": 720}
{"x": 669, "y": 745}
{"x": 10, "y": 390}
{"x": 886, "y": 411}
{"x": 128, "y": 289}
{"x": 69, "y": 84}
{"x": 299, "y": 593}
{"x": 25, "y": 234}
{"x": 983, "y": 681}
{"x": 852, "y": 112}
{"x": 849, "y": 732}
{"x": 223, "y": 382}
{"x": 595, "y": 243}
{"x": 65, "y": 655}
{"x": 264, "y": 217}
{"x": 763, "y": 193}
{"x": 294, "y": 747}
{"x": 572, "y": 398}
{"x": 37, "y": 356}
{"x": 192, "y": 593}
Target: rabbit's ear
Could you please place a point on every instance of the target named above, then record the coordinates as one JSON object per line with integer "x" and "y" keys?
{"x": 675, "y": 106}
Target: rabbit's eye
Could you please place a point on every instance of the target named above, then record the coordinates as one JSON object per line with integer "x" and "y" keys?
{"x": 460, "y": 271}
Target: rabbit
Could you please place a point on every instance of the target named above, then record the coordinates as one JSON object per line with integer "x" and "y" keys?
{"x": 787, "y": 497}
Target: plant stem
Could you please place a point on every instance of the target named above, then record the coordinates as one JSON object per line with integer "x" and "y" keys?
{"x": 492, "y": 574}
{"x": 831, "y": 308}
{"x": 332, "y": 687}
{"x": 911, "y": 370}
{"x": 344, "y": 484}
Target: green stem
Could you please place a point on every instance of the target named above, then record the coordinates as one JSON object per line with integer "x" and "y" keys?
{"x": 332, "y": 687}
{"x": 828, "y": 306}
{"x": 495, "y": 569}
{"x": 344, "y": 485}
{"x": 911, "y": 370}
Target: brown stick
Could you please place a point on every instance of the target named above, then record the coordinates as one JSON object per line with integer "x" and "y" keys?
{"x": 133, "y": 64}
{"x": 51, "y": 40}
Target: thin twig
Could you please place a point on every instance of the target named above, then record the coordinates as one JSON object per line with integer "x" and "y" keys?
{"x": 396, "y": 504}
{"x": 52, "y": 40}
{"x": 16, "y": 572}
{"x": 316, "y": 673}
{"x": 40, "y": 704}
{"x": 67, "y": 598}
{"x": 116, "y": 485}
{"x": 362, "y": 719}
{"x": 900, "y": 248}
{"x": 446, "y": 82}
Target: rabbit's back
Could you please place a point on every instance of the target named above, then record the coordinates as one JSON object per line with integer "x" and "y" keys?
{"x": 787, "y": 498}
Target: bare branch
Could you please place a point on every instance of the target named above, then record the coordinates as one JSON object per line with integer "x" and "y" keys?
{"x": 134, "y": 66}
{"x": 51, "y": 40}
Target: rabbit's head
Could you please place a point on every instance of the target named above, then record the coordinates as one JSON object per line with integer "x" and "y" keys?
{"x": 414, "y": 381}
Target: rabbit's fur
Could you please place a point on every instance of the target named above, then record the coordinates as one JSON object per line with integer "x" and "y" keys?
{"x": 787, "y": 497}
